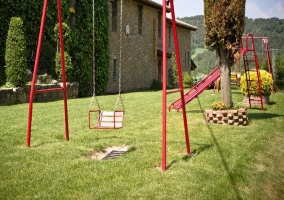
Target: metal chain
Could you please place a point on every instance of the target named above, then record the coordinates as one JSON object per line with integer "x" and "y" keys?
{"x": 93, "y": 62}
{"x": 120, "y": 59}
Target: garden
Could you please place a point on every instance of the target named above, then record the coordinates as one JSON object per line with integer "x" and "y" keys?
{"x": 229, "y": 162}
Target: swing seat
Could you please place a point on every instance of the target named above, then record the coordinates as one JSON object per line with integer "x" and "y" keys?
{"x": 107, "y": 119}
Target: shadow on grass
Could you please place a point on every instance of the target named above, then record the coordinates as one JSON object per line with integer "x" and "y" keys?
{"x": 226, "y": 167}
{"x": 193, "y": 153}
{"x": 195, "y": 111}
{"x": 197, "y": 151}
{"x": 256, "y": 116}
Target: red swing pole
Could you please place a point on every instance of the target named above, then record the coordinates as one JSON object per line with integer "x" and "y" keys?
{"x": 164, "y": 99}
{"x": 63, "y": 69}
{"x": 28, "y": 139}
{"x": 64, "y": 88}
{"x": 180, "y": 76}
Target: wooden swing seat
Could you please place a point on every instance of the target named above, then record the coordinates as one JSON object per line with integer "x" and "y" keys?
{"x": 107, "y": 119}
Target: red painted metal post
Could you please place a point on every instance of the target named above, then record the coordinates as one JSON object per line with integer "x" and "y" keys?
{"x": 180, "y": 76}
{"x": 28, "y": 139}
{"x": 164, "y": 100}
{"x": 269, "y": 64}
{"x": 63, "y": 69}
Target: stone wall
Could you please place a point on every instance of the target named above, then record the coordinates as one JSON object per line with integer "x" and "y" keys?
{"x": 11, "y": 96}
{"x": 139, "y": 63}
{"x": 237, "y": 117}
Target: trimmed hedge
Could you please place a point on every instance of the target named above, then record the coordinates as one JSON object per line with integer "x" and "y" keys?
{"x": 16, "y": 53}
{"x": 80, "y": 48}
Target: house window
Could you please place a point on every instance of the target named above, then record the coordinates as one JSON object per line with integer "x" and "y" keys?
{"x": 114, "y": 16}
{"x": 140, "y": 19}
{"x": 114, "y": 69}
{"x": 159, "y": 24}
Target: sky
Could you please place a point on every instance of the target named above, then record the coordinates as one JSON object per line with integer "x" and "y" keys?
{"x": 254, "y": 8}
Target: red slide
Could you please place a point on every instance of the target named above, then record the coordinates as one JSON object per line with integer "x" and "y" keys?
{"x": 197, "y": 89}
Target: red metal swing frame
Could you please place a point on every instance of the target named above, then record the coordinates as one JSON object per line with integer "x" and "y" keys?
{"x": 180, "y": 90}
{"x": 63, "y": 88}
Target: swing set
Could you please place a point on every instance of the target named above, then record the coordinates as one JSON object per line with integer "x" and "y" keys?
{"x": 112, "y": 119}
{"x": 107, "y": 119}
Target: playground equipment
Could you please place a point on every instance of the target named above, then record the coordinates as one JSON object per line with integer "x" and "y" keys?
{"x": 244, "y": 52}
{"x": 63, "y": 88}
{"x": 197, "y": 89}
{"x": 107, "y": 119}
{"x": 180, "y": 90}
{"x": 215, "y": 73}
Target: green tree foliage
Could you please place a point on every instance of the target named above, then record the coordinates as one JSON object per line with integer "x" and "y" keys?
{"x": 81, "y": 47}
{"x": 197, "y": 37}
{"x": 187, "y": 80}
{"x": 68, "y": 66}
{"x": 16, "y": 53}
{"x": 66, "y": 36}
{"x": 224, "y": 25}
{"x": 279, "y": 73}
{"x": 67, "y": 58}
{"x": 47, "y": 59}
{"x": 101, "y": 45}
{"x": 173, "y": 74}
{"x": 273, "y": 28}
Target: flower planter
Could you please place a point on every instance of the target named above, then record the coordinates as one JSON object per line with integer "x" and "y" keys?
{"x": 255, "y": 100}
{"x": 237, "y": 117}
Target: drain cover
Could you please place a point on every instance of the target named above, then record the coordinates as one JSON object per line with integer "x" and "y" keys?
{"x": 110, "y": 153}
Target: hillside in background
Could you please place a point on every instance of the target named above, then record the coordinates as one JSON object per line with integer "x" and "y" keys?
{"x": 273, "y": 28}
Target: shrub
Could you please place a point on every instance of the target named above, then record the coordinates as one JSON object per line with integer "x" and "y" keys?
{"x": 16, "y": 53}
{"x": 47, "y": 58}
{"x": 68, "y": 66}
{"x": 173, "y": 74}
{"x": 156, "y": 85}
{"x": 66, "y": 35}
{"x": 187, "y": 80}
{"x": 266, "y": 83}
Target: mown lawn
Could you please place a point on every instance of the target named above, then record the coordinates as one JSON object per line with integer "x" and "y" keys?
{"x": 231, "y": 162}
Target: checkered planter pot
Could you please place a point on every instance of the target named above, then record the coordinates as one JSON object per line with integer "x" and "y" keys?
{"x": 237, "y": 117}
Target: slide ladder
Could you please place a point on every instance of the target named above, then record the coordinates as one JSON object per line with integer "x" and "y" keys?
{"x": 250, "y": 47}
{"x": 197, "y": 89}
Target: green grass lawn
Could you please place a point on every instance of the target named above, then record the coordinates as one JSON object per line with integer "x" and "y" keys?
{"x": 231, "y": 162}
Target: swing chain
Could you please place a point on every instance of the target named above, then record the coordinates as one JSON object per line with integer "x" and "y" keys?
{"x": 93, "y": 62}
{"x": 120, "y": 59}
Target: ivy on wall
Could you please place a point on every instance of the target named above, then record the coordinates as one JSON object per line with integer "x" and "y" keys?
{"x": 101, "y": 44}
{"x": 81, "y": 34}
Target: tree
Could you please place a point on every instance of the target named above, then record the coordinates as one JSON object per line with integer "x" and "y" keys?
{"x": 16, "y": 53}
{"x": 224, "y": 25}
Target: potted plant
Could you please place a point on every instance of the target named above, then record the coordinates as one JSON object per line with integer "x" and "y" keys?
{"x": 222, "y": 113}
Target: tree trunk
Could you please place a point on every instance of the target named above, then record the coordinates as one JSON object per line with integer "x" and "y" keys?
{"x": 225, "y": 69}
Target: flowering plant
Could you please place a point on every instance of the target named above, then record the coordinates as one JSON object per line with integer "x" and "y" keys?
{"x": 223, "y": 106}
{"x": 266, "y": 83}
{"x": 220, "y": 106}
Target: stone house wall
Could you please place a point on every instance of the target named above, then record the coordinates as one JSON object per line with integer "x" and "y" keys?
{"x": 140, "y": 62}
